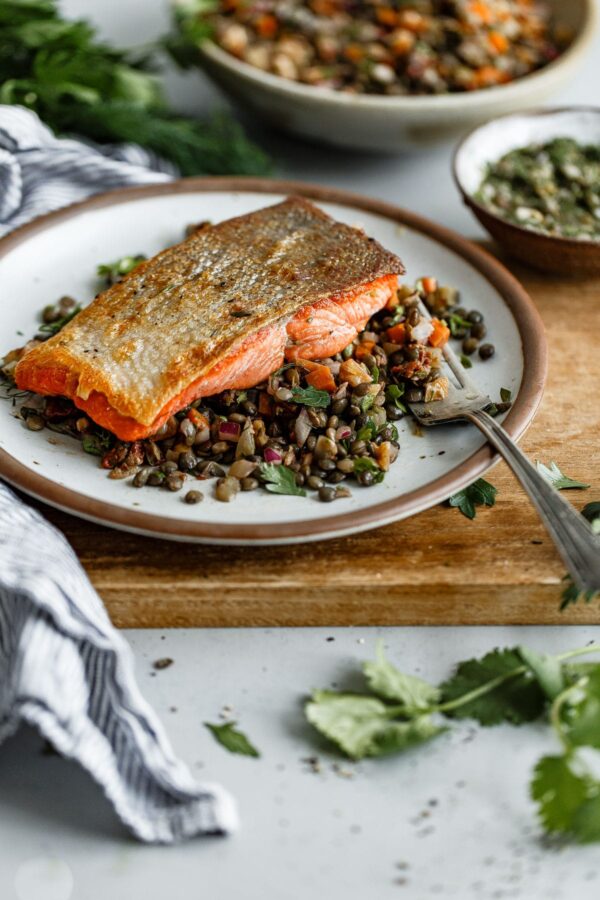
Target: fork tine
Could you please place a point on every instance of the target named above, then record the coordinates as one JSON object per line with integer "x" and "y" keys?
{"x": 452, "y": 359}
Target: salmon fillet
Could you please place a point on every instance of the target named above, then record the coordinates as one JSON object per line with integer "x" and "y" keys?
{"x": 221, "y": 310}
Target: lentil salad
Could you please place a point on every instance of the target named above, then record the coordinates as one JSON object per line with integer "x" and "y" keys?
{"x": 311, "y": 427}
{"x": 378, "y": 47}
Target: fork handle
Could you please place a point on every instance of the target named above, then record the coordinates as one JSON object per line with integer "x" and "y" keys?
{"x": 572, "y": 535}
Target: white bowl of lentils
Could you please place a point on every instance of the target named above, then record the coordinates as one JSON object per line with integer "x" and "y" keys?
{"x": 372, "y": 76}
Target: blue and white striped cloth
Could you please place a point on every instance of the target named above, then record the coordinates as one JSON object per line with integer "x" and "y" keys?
{"x": 63, "y": 667}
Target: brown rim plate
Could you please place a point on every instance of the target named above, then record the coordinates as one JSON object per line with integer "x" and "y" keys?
{"x": 327, "y": 523}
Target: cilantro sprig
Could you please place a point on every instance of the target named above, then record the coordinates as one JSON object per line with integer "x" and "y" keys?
{"x": 514, "y": 685}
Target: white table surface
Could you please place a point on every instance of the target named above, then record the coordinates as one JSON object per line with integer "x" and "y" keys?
{"x": 452, "y": 820}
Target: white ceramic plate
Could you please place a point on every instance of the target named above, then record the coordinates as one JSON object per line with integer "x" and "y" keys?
{"x": 58, "y": 255}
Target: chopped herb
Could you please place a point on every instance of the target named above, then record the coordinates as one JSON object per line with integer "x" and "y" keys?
{"x": 375, "y": 374}
{"x": 366, "y": 464}
{"x": 555, "y": 477}
{"x": 114, "y": 272}
{"x": 505, "y": 395}
{"x": 466, "y": 361}
{"x": 368, "y": 432}
{"x": 310, "y": 396}
{"x": 480, "y": 493}
{"x": 393, "y": 392}
{"x": 457, "y": 324}
{"x": 551, "y": 188}
{"x": 280, "y": 480}
{"x": 366, "y": 403}
{"x": 233, "y": 740}
{"x": 59, "y": 324}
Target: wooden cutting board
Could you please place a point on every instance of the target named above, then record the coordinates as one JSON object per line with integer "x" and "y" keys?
{"x": 436, "y": 568}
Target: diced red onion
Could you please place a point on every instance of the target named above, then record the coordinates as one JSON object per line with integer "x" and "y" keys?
{"x": 229, "y": 431}
{"x": 343, "y": 432}
{"x": 272, "y": 456}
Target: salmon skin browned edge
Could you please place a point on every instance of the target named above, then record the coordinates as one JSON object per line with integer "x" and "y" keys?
{"x": 221, "y": 310}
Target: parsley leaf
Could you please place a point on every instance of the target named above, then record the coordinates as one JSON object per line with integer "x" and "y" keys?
{"x": 59, "y": 324}
{"x": 555, "y": 477}
{"x": 233, "y": 740}
{"x": 393, "y": 392}
{"x": 362, "y": 726}
{"x": 366, "y": 403}
{"x": 516, "y": 697}
{"x": 310, "y": 396}
{"x": 368, "y": 432}
{"x": 547, "y": 670}
{"x": 387, "y": 682}
{"x": 572, "y": 594}
{"x": 366, "y": 464}
{"x": 559, "y": 793}
{"x": 568, "y": 797}
{"x": 480, "y": 493}
{"x": 466, "y": 361}
{"x": 115, "y": 271}
{"x": 280, "y": 480}
{"x": 505, "y": 395}
{"x": 581, "y": 718}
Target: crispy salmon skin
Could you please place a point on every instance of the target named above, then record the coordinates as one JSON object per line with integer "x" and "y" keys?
{"x": 221, "y": 310}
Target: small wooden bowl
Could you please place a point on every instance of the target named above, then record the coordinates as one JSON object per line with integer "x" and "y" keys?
{"x": 487, "y": 143}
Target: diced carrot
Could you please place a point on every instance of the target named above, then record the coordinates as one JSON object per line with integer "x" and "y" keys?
{"x": 266, "y": 26}
{"x": 482, "y": 10}
{"x": 498, "y": 41}
{"x": 354, "y": 52}
{"x": 386, "y": 15}
{"x": 486, "y": 76}
{"x": 363, "y": 350}
{"x": 319, "y": 377}
{"x": 393, "y": 302}
{"x": 402, "y": 41}
{"x": 397, "y": 333}
{"x": 440, "y": 334}
{"x": 429, "y": 284}
{"x": 322, "y": 379}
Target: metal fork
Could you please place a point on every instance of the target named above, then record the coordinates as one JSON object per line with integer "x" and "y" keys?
{"x": 574, "y": 539}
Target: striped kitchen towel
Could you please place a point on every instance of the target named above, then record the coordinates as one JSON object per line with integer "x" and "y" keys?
{"x": 39, "y": 172}
{"x": 63, "y": 667}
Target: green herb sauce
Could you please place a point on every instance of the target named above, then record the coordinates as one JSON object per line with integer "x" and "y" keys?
{"x": 551, "y": 188}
